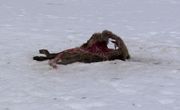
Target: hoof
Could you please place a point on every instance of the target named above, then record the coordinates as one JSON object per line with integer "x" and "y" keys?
{"x": 44, "y": 51}
{"x": 39, "y": 58}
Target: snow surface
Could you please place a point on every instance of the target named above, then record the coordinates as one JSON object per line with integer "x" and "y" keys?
{"x": 149, "y": 81}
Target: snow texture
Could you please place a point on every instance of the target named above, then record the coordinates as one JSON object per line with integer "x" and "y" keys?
{"x": 150, "y": 80}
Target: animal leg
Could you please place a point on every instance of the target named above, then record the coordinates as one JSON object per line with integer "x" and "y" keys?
{"x": 47, "y": 56}
{"x": 53, "y": 62}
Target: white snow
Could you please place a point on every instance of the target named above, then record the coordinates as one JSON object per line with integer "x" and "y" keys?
{"x": 149, "y": 81}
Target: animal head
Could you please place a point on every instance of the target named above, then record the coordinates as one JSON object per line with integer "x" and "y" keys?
{"x": 107, "y": 33}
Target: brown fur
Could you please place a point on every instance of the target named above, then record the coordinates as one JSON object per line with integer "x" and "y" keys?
{"x": 96, "y": 37}
{"x": 94, "y": 50}
{"x": 118, "y": 43}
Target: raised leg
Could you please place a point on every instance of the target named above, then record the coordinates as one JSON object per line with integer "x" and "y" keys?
{"x": 47, "y": 56}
